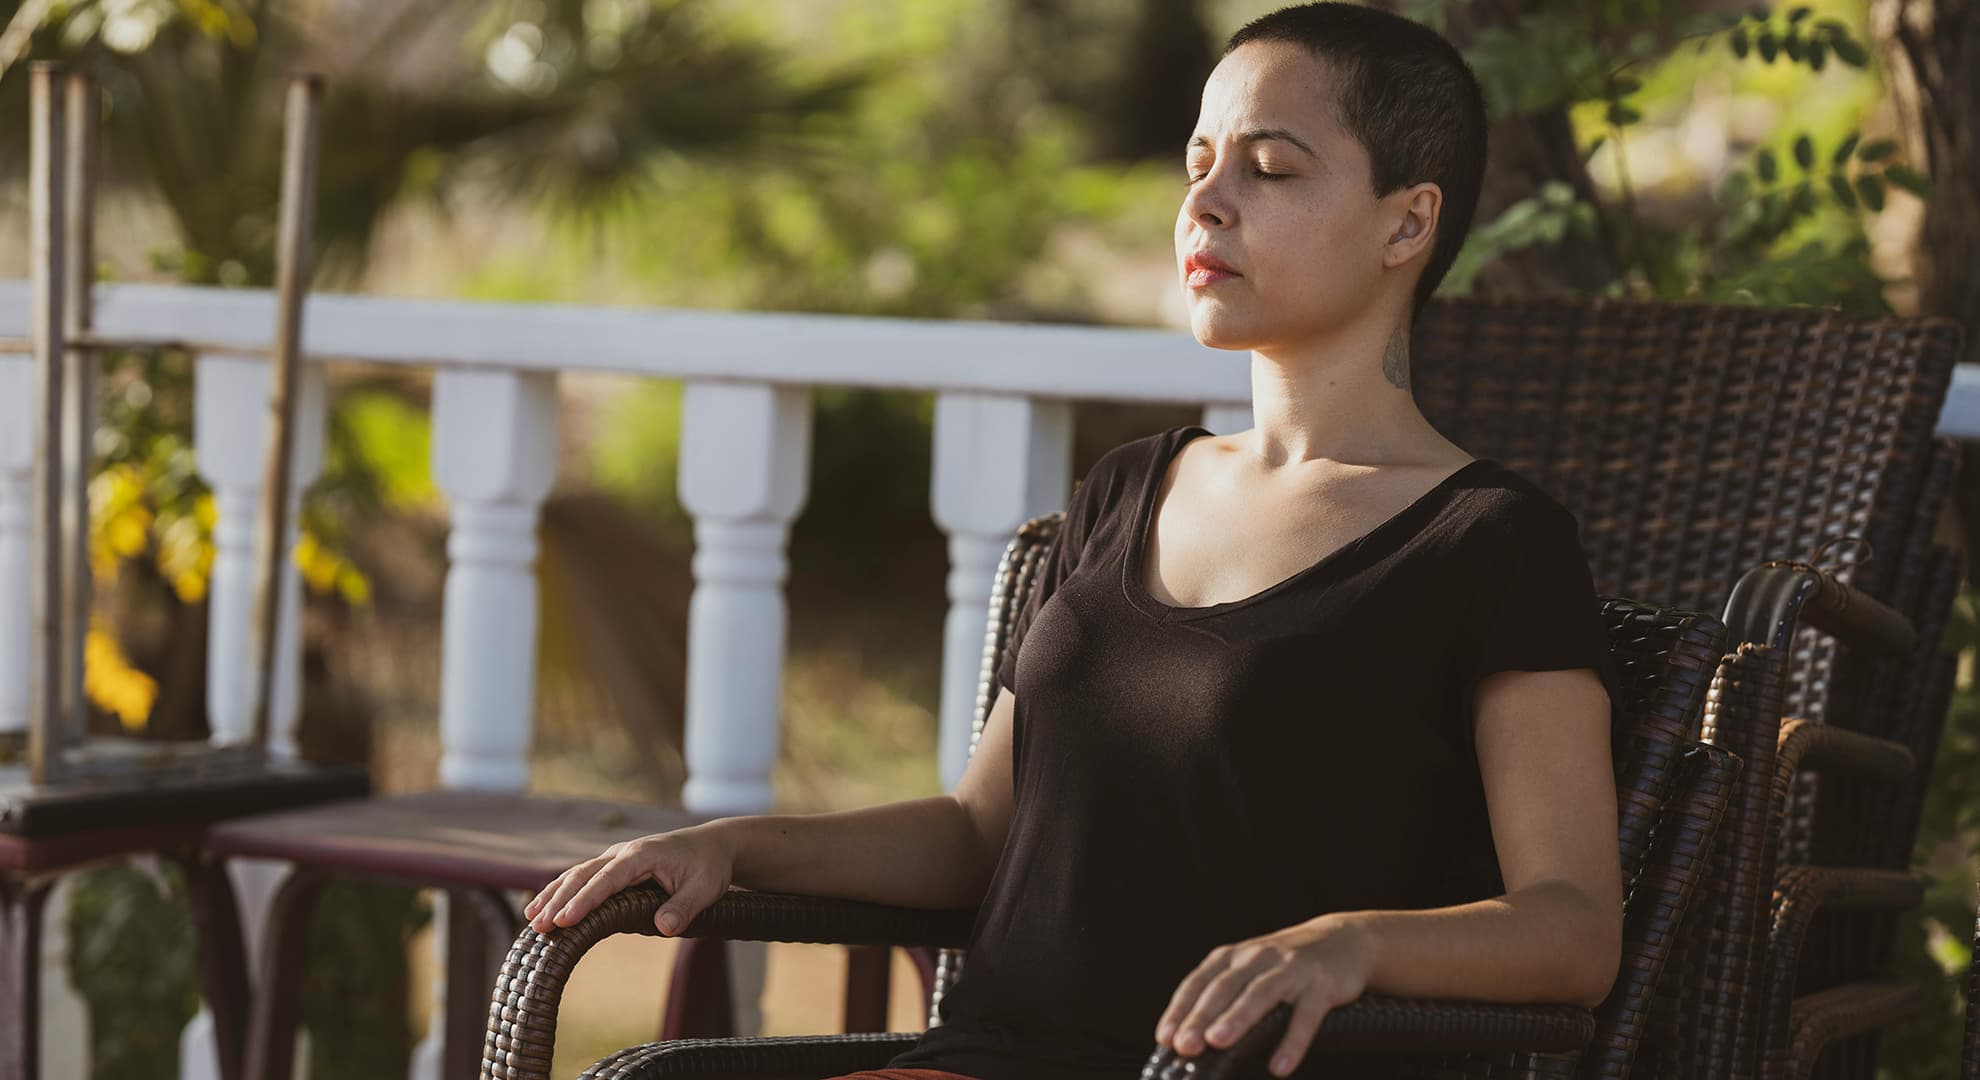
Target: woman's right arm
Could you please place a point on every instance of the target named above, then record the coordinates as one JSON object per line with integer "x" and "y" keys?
{"x": 935, "y": 852}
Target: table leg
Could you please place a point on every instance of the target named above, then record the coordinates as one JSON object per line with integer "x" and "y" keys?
{"x": 699, "y": 1005}
{"x": 869, "y": 975}
{"x": 21, "y": 904}
{"x": 925, "y": 960}
{"x": 479, "y": 922}
{"x": 222, "y": 954}
{"x": 277, "y": 1012}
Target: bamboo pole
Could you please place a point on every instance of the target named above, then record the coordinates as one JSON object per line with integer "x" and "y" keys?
{"x": 79, "y": 387}
{"x": 45, "y": 212}
{"x": 292, "y": 260}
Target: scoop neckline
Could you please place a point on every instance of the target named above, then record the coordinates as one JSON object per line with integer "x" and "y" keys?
{"x": 1136, "y": 548}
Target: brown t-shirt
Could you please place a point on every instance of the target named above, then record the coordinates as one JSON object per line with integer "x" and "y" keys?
{"x": 1192, "y": 777}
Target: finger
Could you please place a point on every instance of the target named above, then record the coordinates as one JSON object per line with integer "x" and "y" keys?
{"x": 567, "y": 886}
{"x": 530, "y": 909}
{"x": 1209, "y": 1005}
{"x": 610, "y": 878}
{"x": 1308, "y": 1011}
{"x": 1258, "y": 997}
{"x": 543, "y": 895}
{"x": 693, "y": 897}
{"x": 1186, "y": 993}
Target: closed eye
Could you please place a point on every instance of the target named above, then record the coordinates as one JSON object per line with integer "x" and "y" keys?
{"x": 1257, "y": 172}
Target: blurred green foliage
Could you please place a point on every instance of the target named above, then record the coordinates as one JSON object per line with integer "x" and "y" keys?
{"x": 1784, "y": 226}
{"x": 132, "y": 958}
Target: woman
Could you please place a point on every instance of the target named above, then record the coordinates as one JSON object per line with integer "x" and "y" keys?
{"x": 1309, "y": 710}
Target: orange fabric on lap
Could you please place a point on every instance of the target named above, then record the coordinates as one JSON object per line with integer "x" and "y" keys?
{"x": 901, "y": 1074}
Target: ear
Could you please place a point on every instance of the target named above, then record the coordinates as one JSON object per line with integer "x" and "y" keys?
{"x": 1413, "y": 212}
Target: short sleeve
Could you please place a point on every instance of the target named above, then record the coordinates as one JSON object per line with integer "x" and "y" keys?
{"x": 1059, "y": 561}
{"x": 1535, "y": 609}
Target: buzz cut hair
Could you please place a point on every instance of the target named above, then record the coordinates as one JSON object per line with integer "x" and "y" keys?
{"x": 1407, "y": 95}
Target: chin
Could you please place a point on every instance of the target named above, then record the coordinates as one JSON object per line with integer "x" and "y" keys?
{"x": 1218, "y": 330}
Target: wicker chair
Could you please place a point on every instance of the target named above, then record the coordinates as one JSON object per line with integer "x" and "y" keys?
{"x": 1697, "y": 443}
{"x": 1673, "y": 792}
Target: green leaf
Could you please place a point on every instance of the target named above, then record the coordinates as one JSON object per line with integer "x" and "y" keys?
{"x": 1769, "y": 46}
{"x": 1627, "y": 84}
{"x": 1832, "y": 27}
{"x": 1804, "y": 152}
{"x": 1737, "y": 39}
{"x": 1851, "y": 53}
{"x": 1621, "y": 114}
{"x": 1818, "y": 55}
{"x": 1842, "y": 152}
{"x": 1797, "y": 14}
{"x": 1872, "y": 191}
{"x": 1908, "y": 179}
{"x": 1766, "y": 166}
{"x": 1804, "y": 200}
{"x": 1791, "y": 44}
{"x": 1840, "y": 187}
{"x": 1589, "y": 154}
{"x": 1878, "y": 150}
{"x": 1758, "y": 11}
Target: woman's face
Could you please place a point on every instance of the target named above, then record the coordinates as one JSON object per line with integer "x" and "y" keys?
{"x": 1282, "y": 194}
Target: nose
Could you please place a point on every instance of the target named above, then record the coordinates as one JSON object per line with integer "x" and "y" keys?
{"x": 1206, "y": 203}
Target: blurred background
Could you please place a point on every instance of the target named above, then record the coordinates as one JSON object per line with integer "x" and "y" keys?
{"x": 976, "y": 159}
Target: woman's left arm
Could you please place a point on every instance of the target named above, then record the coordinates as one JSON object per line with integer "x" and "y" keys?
{"x": 1555, "y": 936}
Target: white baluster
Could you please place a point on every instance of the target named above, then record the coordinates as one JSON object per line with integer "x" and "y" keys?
{"x": 999, "y": 460}
{"x": 230, "y": 439}
{"x": 230, "y": 434}
{"x": 495, "y": 455}
{"x": 18, "y": 430}
{"x": 744, "y": 455}
{"x": 64, "y": 1013}
{"x": 1226, "y": 419}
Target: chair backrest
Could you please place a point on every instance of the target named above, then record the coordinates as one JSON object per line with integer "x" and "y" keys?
{"x": 1693, "y": 442}
{"x": 1671, "y": 792}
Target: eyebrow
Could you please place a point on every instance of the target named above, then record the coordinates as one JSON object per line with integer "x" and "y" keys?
{"x": 1259, "y": 135}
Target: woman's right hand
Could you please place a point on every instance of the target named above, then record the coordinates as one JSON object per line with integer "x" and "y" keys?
{"x": 694, "y": 865}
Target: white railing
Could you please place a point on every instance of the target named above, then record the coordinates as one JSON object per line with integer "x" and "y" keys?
{"x": 1002, "y": 453}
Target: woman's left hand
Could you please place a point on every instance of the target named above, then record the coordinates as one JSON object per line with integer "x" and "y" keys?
{"x": 1316, "y": 965}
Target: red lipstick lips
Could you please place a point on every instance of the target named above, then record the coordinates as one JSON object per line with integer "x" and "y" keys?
{"x": 1205, "y": 269}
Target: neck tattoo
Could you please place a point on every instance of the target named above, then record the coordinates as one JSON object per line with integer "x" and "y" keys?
{"x": 1395, "y": 360}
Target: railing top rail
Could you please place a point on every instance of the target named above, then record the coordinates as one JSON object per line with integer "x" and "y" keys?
{"x": 898, "y": 353}
{"x": 1028, "y": 359}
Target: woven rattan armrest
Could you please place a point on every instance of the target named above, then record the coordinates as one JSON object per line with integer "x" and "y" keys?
{"x": 1829, "y": 1016}
{"x": 795, "y": 1057}
{"x": 522, "y": 1018}
{"x": 1377, "y": 1022}
{"x": 1799, "y": 894}
{"x": 1839, "y": 751}
{"x": 1770, "y": 601}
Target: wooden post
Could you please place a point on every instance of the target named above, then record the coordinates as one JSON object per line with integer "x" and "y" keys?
{"x": 45, "y": 197}
{"x": 291, "y": 281}
{"x": 79, "y": 388}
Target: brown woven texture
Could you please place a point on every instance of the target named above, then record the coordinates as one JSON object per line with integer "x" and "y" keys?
{"x": 1695, "y": 442}
{"x": 522, "y": 1017}
{"x": 1861, "y": 821}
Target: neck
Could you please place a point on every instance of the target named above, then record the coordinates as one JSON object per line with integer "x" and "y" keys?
{"x": 1344, "y": 396}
